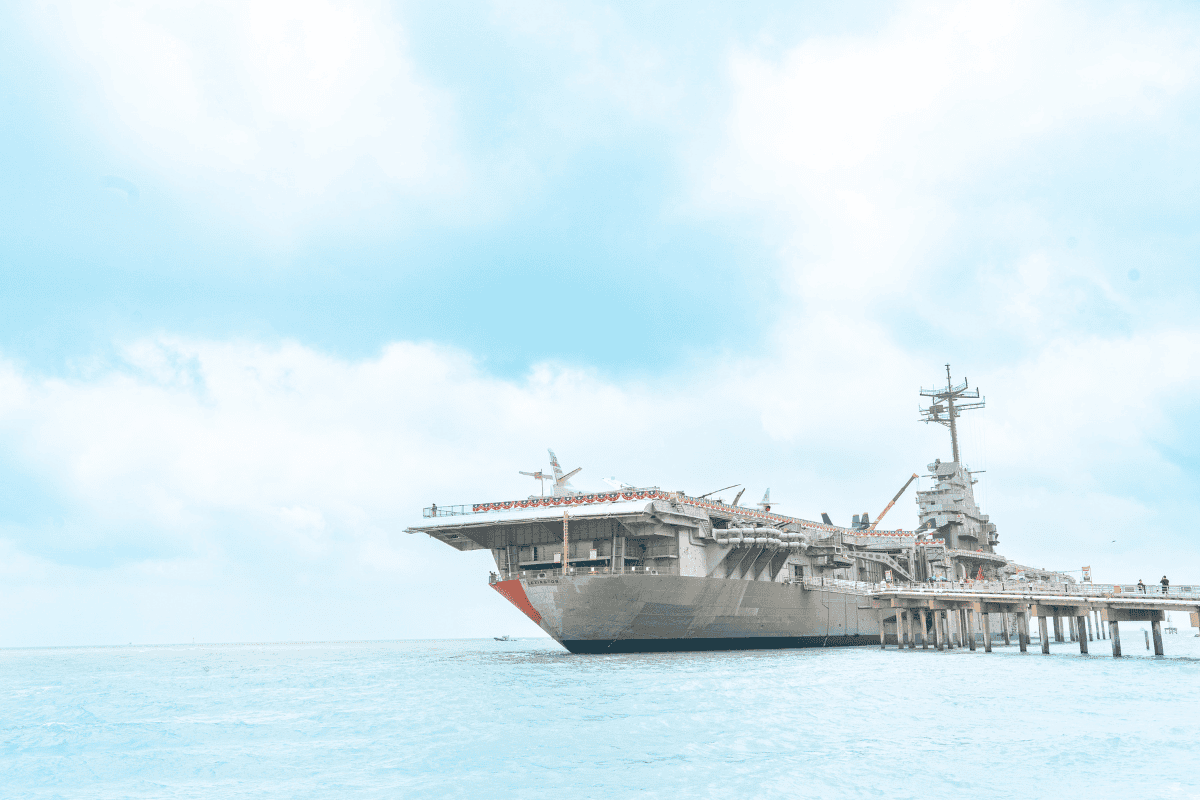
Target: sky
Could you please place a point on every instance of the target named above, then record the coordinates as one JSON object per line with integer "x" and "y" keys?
{"x": 278, "y": 275}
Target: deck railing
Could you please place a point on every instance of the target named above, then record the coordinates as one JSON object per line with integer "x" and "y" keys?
{"x": 446, "y": 511}
{"x": 653, "y": 493}
{"x": 1181, "y": 592}
{"x": 556, "y": 572}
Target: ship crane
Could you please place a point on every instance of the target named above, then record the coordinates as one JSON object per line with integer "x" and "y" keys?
{"x": 894, "y": 499}
{"x": 723, "y": 488}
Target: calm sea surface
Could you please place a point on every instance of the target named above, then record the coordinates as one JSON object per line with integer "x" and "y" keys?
{"x": 524, "y": 719}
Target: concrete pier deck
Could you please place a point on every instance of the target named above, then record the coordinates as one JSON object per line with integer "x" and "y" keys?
{"x": 957, "y": 613}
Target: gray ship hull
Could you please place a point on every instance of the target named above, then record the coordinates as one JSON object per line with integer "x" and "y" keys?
{"x": 606, "y": 613}
{"x": 643, "y": 569}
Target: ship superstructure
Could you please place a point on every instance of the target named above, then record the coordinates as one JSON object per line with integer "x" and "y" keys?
{"x": 639, "y": 569}
{"x": 949, "y": 509}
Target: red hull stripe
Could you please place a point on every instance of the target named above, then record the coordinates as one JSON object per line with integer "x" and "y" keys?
{"x": 514, "y": 592}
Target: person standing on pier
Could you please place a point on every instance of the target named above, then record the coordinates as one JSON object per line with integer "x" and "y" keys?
{"x": 1141, "y": 586}
{"x": 1165, "y": 583}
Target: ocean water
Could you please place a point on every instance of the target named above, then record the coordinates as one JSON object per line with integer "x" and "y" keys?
{"x": 524, "y": 719}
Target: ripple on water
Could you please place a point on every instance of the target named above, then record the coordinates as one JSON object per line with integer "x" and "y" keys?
{"x": 523, "y": 719}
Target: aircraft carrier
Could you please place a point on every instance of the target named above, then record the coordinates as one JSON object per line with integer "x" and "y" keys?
{"x": 641, "y": 569}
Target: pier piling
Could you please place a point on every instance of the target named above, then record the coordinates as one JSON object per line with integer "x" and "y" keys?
{"x": 957, "y": 618}
{"x": 1004, "y": 624}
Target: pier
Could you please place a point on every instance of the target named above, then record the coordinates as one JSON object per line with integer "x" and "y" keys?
{"x": 963, "y": 614}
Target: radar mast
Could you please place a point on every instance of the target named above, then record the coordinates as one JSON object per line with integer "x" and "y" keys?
{"x": 947, "y": 405}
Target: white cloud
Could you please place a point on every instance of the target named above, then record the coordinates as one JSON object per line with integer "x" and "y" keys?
{"x": 203, "y": 475}
{"x": 199, "y": 475}
{"x": 607, "y": 75}
{"x": 292, "y": 104}
{"x": 904, "y": 176}
{"x": 873, "y": 155}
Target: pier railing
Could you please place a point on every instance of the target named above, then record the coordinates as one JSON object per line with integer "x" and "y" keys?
{"x": 1046, "y": 587}
{"x": 1181, "y": 592}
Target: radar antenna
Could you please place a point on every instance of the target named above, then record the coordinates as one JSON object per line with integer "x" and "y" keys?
{"x": 947, "y": 406}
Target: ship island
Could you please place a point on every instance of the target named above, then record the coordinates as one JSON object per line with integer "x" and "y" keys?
{"x": 642, "y": 569}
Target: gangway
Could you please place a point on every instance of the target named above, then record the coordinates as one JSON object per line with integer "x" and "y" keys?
{"x": 885, "y": 559}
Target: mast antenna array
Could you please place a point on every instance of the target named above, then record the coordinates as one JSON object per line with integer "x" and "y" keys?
{"x": 948, "y": 404}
